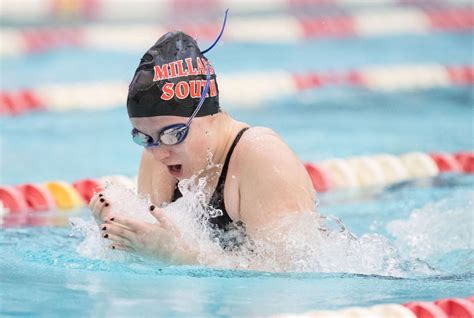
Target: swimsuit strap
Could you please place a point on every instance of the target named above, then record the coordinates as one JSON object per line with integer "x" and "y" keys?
{"x": 217, "y": 199}
{"x": 227, "y": 159}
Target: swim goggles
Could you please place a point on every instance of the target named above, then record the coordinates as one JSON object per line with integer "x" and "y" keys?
{"x": 175, "y": 134}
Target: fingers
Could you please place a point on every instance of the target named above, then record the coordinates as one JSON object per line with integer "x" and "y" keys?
{"x": 129, "y": 223}
{"x": 93, "y": 204}
{"x": 93, "y": 200}
{"x": 158, "y": 215}
{"x": 101, "y": 210}
{"x": 100, "y": 207}
{"x": 120, "y": 247}
{"x": 117, "y": 230}
{"x": 120, "y": 236}
{"x": 118, "y": 239}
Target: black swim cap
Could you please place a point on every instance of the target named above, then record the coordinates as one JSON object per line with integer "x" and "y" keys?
{"x": 170, "y": 79}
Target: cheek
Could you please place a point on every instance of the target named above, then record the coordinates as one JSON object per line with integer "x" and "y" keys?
{"x": 196, "y": 153}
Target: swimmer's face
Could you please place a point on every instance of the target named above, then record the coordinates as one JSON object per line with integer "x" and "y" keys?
{"x": 182, "y": 160}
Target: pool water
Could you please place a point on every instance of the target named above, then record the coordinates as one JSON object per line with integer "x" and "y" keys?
{"x": 41, "y": 270}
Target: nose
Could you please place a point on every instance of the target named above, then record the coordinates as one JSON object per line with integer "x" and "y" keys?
{"x": 159, "y": 153}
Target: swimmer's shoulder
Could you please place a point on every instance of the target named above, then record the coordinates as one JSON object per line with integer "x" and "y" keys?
{"x": 272, "y": 175}
{"x": 265, "y": 155}
{"x": 261, "y": 139}
{"x": 261, "y": 145}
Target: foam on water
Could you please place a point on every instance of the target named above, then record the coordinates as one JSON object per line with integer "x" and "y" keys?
{"x": 437, "y": 228}
{"x": 301, "y": 242}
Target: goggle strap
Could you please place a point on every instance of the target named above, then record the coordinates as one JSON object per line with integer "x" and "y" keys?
{"x": 220, "y": 34}
{"x": 208, "y": 77}
{"x": 203, "y": 95}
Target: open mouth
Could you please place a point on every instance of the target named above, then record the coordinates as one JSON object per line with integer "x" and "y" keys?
{"x": 175, "y": 170}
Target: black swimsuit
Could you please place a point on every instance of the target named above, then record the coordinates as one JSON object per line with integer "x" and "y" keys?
{"x": 222, "y": 222}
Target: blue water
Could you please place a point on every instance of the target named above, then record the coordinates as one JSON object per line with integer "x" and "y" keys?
{"x": 41, "y": 271}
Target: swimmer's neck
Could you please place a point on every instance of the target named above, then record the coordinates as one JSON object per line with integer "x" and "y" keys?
{"x": 224, "y": 130}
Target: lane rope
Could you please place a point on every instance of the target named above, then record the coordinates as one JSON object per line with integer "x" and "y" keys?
{"x": 276, "y": 28}
{"x": 328, "y": 175}
{"x": 442, "y": 308}
{"x": 266, "y": 86}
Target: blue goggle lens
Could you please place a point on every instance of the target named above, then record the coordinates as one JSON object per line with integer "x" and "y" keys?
{"x": 141, "y": 139}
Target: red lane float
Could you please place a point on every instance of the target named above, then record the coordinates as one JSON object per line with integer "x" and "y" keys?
{"x": 443, "y": 308}
{"x": 455, "y": 307}
{"x": 12, "y": 199}
{"x": 37, "y": 197}
{"x": 446, "y": 162}
{"x": 19, "y": 102}
{"x": 87, "y": 188}
{"x": 461, "y": 75}
{"x": 426, "y": 310}
{"x": 466, "y": 160}
{"x": 41, "y": 40}
{"x": 457, "y": 18}
{"x": 318, "y": 177}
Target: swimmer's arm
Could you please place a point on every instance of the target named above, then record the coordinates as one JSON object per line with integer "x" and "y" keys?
{"x": 155, "y": 180}
{"x": 273, "y": 184}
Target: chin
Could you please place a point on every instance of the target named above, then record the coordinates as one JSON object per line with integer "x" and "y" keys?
{"x": 185, "y": 175}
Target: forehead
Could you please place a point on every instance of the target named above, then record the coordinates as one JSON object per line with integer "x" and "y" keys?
{"x": 151, "y": 124}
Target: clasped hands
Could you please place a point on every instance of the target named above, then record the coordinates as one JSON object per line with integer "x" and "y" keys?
{"x": 161, "y": 239}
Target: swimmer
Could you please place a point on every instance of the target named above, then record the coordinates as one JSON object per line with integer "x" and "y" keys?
{"x": 173, "y": 106}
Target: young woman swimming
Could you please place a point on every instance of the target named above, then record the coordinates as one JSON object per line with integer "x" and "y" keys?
{"x": 173, "y": 105}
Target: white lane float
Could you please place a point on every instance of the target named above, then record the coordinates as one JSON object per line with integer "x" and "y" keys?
{"x": 393, "y": 169}
{"x": 340, "y": 173}
{"x": 419, "y": 165}
{"x": 367, "y": 170}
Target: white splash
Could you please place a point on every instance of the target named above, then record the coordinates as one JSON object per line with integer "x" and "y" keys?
{"x": 125, "y": 202}
{"x": 437, "y": 228}
{"x": 305, "y": 247}
{"x": 301, "y": 242}
{"x": 94, "y": 246}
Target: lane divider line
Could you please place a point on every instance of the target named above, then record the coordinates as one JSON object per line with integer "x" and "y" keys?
{"x": 328, "y": 175}
{"x": 266, "y": 86}
{"x": 443, "y": 308}
{"x": 276, "y": 28}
